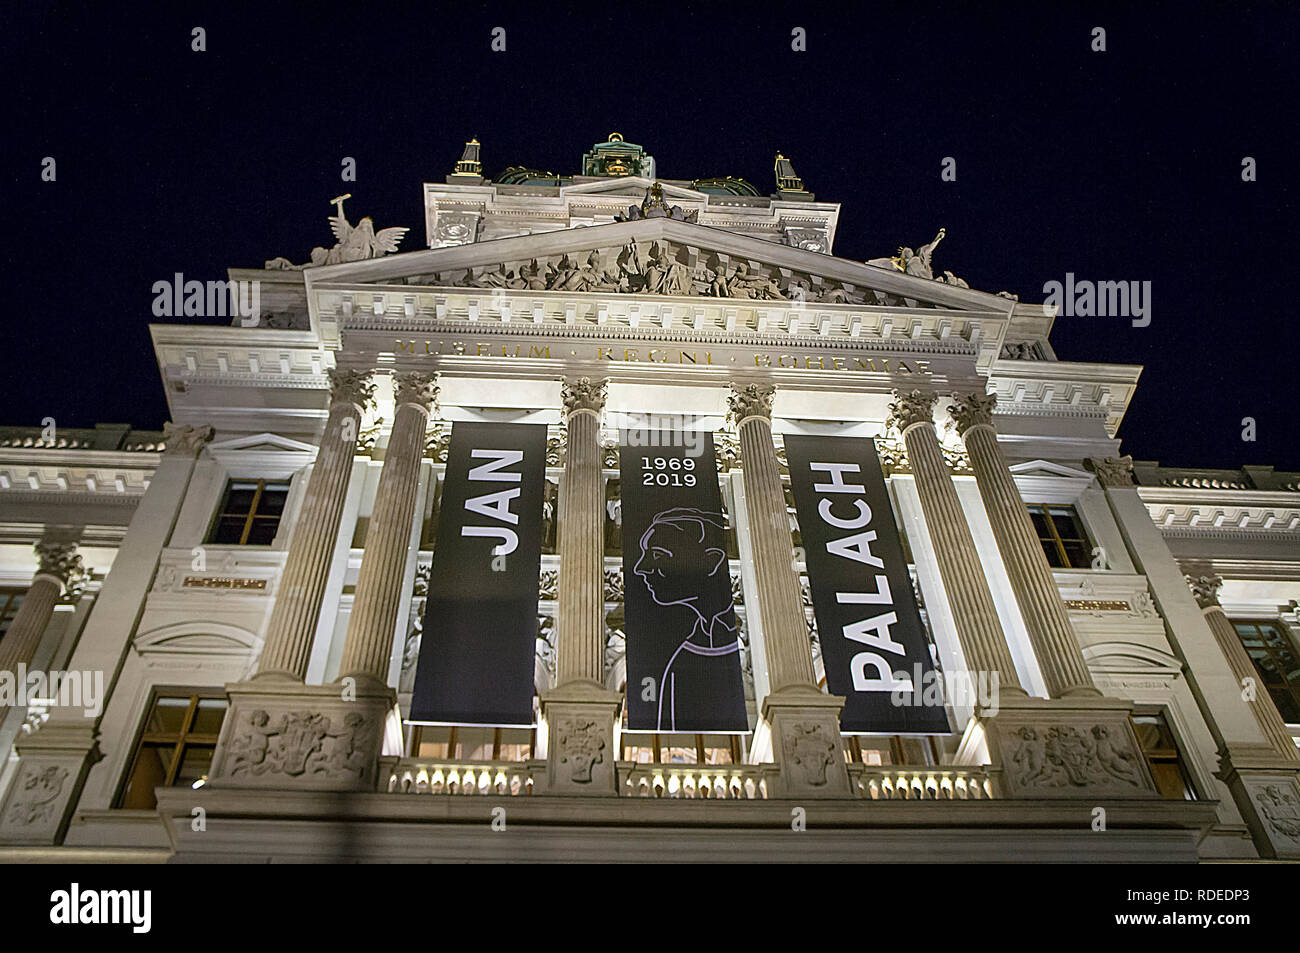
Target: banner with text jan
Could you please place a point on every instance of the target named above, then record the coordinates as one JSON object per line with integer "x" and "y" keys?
{"x": 480, "y": 623}
{"x": 872, "y": 640}
{"x": 683, "y": 651}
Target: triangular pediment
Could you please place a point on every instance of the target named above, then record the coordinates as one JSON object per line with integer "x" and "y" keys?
{"x": 261, "y": 441}
{"x": 1046, "y": 468}
{"x": 749, "y": 268}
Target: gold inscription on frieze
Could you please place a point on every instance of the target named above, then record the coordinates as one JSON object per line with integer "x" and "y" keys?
{"x": 222, "y": 582}
{"x": 662, "y": 355}
{"x": 1097, "y": 605}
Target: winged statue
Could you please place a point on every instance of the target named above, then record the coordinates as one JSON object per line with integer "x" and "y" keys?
{"x": 353, "y": 242}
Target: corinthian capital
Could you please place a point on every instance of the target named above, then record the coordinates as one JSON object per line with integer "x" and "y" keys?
{"x": 1112, "y": 471}
{"x": 912, "y": 407}
{"x": 185, "y": 439}
{"x": 354, "y": 387}
{"x": 583, "y": 393}
{"x": 1205, "y": 589}
{"x": 60, "y": 560}
{"x": 415, "y": 388}
{"x": 750, "y": 400}
{"x": 972, "y": 410}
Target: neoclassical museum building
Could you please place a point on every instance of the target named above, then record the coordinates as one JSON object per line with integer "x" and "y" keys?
{"x": 624, "y": 521}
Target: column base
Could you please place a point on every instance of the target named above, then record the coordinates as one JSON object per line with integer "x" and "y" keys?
{"x": 1266, "y": 787}
{"x": 1066, "y": 748}
{"x": 581, "y": 756}
{"x": 53, "y": 764}
{"x": 806, "y": 742}
{"x": 287, "y": 735}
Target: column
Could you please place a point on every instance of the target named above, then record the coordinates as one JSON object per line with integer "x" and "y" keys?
{"x": 373, "y": 622}
{"x": 803, "y": 721}
{"x": 1206, "y": 591}
{"x": 60, "y": 567}
{"x": 982, "y": 641}
{"x": 1050, "y": 632}
{"x": 580, "y": 626}
{"x": 306, "y": 569}
{"x": 785, "y": 627}
{"x": 580, "y": 713}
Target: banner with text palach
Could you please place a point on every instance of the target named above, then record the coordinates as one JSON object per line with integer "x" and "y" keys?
{"x": 477, "y": 652}
{"x": 683, "y": 651}
{"x": 872, "y": 639}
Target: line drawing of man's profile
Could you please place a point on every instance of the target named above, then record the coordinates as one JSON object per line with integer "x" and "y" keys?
{"x": 680, "y": 567}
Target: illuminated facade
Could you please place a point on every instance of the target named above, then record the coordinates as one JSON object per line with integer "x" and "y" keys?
{"x": 252, "y": 584}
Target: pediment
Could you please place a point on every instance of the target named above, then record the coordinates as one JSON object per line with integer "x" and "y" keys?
{"x": 750, "y": 268}
{"x": 261, "y": 442}
{"x": 211, "y": 639}
{"x": 1045, "y": 468}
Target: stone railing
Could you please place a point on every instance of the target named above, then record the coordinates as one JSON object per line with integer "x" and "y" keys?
{"x": 739, "y": 782}
{"x": 735, "y": 782}
{"x": 899, "y": 782}
{"x": 500, "y": 778}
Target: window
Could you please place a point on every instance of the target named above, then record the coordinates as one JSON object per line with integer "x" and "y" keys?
{"x": 1161, "y": 751}
{"x": 1061, "y": 534}
{"x": 10, "y": 600}
{"x": 250, "y": 512}
{"x": 471, "y": 743}
{"x": 650, "y": 748}
{"x": 1271, "y": 649}
{"x": 175, "y": 745}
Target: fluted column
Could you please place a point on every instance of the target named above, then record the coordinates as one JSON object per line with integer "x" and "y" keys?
{"x": 580, "y": 626}
{"x": 982, "y": 641}
{"x": 373, "y": 623}
{"x": 1206, "y": 591}
{"x": 785, "y": 628}
{"x": 1055, "y": 645}
{"x": 60, "y": 567}
{"x": 311, "y": 548}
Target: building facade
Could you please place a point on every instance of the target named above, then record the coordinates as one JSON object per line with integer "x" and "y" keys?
{"x": 232, "y": 617}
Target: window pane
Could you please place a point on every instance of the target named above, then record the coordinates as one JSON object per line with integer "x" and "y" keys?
{"x": 1067, "y": 524}
{"x": 167, "y": 716}
{"x": 195, "y": 763}
{"x": 149, "y": 772}
{"x": 1053, "y": 554}
{"x": 272, "y": 501}
{"x": 262, "y": 532}
{"x": 208, "y": 717}
{"x": 1040, "y": 523}
{"x": 239, "y": 498}
{"x": 1078, "y": 554}
{"x": 229, "y": 530}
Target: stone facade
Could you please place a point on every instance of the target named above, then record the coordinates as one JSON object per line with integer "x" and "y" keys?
{"x": 672, "y": 299}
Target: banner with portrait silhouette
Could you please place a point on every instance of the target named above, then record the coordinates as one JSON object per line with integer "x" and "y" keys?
{"x": 480, "y": 622}
{"x": 874, "y": 647}
{"x": 683, "y": 650}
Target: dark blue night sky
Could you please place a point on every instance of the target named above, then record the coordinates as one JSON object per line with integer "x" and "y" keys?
{"x": 1123, "y": 165}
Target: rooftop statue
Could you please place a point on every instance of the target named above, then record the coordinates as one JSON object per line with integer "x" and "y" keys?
{"x": 918, "y": 263}
{"x": 353, "y": 243}
{"x": 654, "y": 206}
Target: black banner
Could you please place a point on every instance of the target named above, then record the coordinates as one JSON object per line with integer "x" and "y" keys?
{"x": 480, "y": 624}
{"x": 872, "y": 639}
{"x": 683, "y": 652}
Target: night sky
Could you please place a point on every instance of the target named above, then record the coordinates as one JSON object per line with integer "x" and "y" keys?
{"x": 1122, "y": 165}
